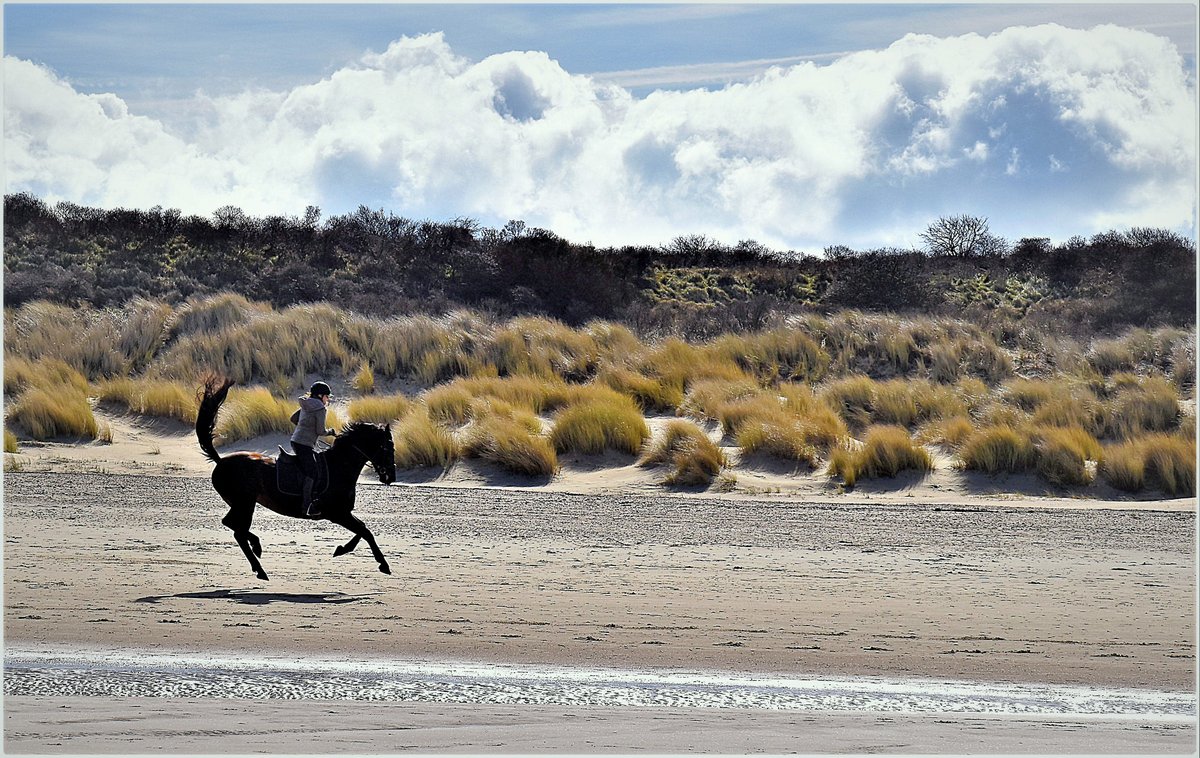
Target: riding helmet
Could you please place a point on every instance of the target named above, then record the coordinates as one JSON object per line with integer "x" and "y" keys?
{"x": 319, "y": 388}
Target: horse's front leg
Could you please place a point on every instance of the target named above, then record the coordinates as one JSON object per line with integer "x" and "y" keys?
{"x": 343, "y": 549}
{"x": 360, "y": 532}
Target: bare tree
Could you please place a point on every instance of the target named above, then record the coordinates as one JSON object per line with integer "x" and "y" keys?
{"x": 962, "y": 237}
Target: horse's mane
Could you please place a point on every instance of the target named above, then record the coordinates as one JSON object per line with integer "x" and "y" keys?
{"x": 358, "y": 429}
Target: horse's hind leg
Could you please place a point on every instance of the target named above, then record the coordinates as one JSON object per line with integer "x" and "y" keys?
{"x": 361, "y": 531}
{"x": 238, "y": 519}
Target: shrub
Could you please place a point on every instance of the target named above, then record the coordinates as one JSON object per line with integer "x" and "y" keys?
{"x": 421, "y": 443}
{"x": 997, "y": 449}
{"x": 886, "y": 451}
{"x": 364, "y": 380}
{"x": 694, "y": 459}
{"x": 380, "y": 409}
{"x": 595, "y": 424}
{"x": 1158, "y": 461}
{"x": 1062, "y": 455}
{"x": 60, "y": 411}
{"x": 254, "y": 411}
{"x": 508, "y": 444}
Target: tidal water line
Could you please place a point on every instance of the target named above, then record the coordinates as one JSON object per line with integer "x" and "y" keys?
{"x": 125, "y": 673}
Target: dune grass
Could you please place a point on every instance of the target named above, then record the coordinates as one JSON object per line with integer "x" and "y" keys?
{"x": 449, "y": 403}
{"x": 509, "y": 444}
{"x": 61, "y": 411}
{"x": 10, "y": 441}
{"x": 420, "y": 442}
{"x": 951, "y": 432}
{"x": 693, "y": 458}
{"x": 379, "y": 409}
{"x": 650, "y": 393}
{"x": 998, "y": 449}
{"x": 1162, "y": 462}
{"x": 1149, "y": 405}
{"x": 364, "y": 380}
{"x": 253, "y": 411}
{"x": 886, "y": 451}
{"x": 151, "y": 397}
{"x": 598, "y": 421}
{"x": 1062, "y": 455}
{"x": 21, "y": 374}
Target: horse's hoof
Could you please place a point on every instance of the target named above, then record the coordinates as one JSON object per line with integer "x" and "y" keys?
{"x": 383, "y": 567}
{"x": 263, "y": 575}
{"x": 340, "y": 550}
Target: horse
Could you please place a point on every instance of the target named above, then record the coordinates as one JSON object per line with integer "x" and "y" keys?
{"x": 245, "y": 480}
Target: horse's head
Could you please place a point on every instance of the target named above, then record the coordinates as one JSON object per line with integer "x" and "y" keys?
{"x": 375, "y": 442}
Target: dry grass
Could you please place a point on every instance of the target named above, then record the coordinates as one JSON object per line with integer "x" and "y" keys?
{"x": 595, "y": 423}
{"x": 1142, "y": 406}
{"x": 509, "y": 444}
{"x": 779, "y": 355}
{"x": 364, "y": 380}
{"x": 694, "y": 459}
{"x": 1063, "y": 453}
{"x": 254, "y": 411}
{"x": 886, "y": 451}
{"x": 449, "y": 403}
{"x": 1163, "y": 462}
{"x": 853, "y": 397}
{"x": 380, "y": 409}
{"x": 998, "y": 449}
{"x": 650, "y": 393}
{"x": 421, "y": 443}
{"x": 61, "y": 411}
{"x": 10, "y": 441}
{"x": 21, "y": 374}
{"x": 951, "y": 432}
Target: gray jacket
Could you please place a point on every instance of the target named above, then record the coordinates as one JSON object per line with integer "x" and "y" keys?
{"x": 311, "y": 423}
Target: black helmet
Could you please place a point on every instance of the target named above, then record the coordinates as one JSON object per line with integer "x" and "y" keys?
{"x": 319, "y": 388}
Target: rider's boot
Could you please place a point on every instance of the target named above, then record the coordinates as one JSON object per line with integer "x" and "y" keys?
{"x": 310, "y": 506}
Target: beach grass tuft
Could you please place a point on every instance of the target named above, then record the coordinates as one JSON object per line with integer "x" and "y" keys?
{"x": 694, "y": 459}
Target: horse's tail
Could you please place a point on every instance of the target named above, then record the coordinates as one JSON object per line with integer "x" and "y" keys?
{"x": 211, "y": 396}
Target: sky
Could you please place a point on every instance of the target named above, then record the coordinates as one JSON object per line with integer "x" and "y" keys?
{"x": 797, "y": 125}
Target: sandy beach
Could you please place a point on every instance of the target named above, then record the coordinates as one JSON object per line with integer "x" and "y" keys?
{"x": 115, "y": 549}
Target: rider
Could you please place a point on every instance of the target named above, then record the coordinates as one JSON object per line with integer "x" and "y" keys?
{"x": 310, "y": 424}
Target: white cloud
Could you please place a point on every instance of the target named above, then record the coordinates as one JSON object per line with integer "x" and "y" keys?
{"x": 785, "y": 158}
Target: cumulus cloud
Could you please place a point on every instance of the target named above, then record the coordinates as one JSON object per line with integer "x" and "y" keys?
{"x": 864, "y": 150}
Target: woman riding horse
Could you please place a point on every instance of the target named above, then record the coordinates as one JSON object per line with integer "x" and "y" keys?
{"x": 246, "y": 480}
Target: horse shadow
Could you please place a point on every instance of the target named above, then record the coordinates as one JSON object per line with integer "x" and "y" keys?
{"x": 250, "y": 597}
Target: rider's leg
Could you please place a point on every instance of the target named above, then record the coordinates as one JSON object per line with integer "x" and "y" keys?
{"x": 305, "y": 457}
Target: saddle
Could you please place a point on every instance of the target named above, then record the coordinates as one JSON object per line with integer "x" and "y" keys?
{"x": 289, "y": 477}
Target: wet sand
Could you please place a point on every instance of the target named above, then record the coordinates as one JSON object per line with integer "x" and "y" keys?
{"x": 150, "y": 725}
{"x": 969, "y": 591}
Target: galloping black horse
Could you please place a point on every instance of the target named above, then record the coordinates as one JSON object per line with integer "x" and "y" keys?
{"x": 246, "y": 479}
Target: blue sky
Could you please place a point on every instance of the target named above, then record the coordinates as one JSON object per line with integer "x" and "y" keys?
{"x": 796, "y": 124}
